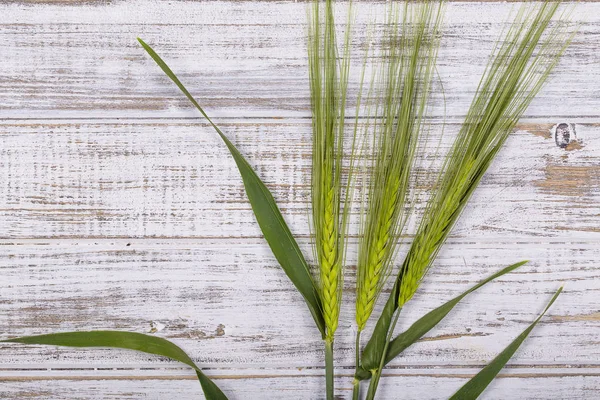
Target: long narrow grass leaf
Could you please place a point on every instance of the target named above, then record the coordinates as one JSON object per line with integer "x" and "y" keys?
{"x": 476, "y": 385}
{"x": 126, "y": 340}
{"x": 430, "y": 320}
{"x": 373, "y": 352}
{"x": 271, "y": 222}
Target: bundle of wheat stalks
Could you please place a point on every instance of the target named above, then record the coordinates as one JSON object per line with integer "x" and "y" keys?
{"x": 395, "y": 114}
{"x": 384, "y": 148}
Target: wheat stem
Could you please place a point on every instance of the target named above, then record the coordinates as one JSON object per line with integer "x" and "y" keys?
{"x": 356, "y": 382}
{"x": 329, "y": 384}
{"x": 376, "y": 374}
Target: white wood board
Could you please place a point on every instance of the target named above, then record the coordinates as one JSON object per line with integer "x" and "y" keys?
{"x": 120, "y": 209}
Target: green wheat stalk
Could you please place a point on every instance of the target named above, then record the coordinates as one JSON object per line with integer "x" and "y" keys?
{"x": 402, "y": 80}
{"x": 512, "y": 80}
{"x": 328, "y": 77}
{"x": 404, "y": 76}
{"x": 516, "y": 73}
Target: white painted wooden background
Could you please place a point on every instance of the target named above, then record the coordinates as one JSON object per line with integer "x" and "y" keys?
{"x": 121, "y": 209}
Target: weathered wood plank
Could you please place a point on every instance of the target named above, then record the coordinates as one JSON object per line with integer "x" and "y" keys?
{"x": 574, "y": 384}
{"x": 212, "y": 295}
{"x": 120, "y": 210}
{"x": 175, "y": 179}
{"x": 240, "y": 59}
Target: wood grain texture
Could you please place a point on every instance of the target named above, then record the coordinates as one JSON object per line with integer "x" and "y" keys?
{"x": 240, "y": 59}
{"x": 208, "y": 298}
{"x": 296, "y": 387}
{"x": 175, "y": 179}
{"x": 120, "y": 209}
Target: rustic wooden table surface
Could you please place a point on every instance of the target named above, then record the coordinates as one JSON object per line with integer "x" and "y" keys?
{"x": 121, "y": 209}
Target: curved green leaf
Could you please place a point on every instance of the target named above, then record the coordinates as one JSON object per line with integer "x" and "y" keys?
{"x": 126, "y": 340}
{"x": 474, "y": 387}
{"x": 271, "y": 222}
{"x": 432, "y": 318}
{"x": 373, "y": 352}
{"x": 425, "y": 324}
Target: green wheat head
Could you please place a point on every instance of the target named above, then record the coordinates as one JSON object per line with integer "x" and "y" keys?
{"x": 404, "y": 78}
{"x": 516, "y": 73}
{"x": 328, "y": 74}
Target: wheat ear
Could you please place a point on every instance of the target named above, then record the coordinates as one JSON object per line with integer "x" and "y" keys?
{"x": 330, "y": 265}
{"x": 404, "y": 78}
{"x": 517, "y": 72}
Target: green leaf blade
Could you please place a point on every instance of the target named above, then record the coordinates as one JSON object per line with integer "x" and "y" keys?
{"x": 419, "y": 328}
{"x": 373, "y": 352}
{"x": 476, "y": 385}
{"x": 432, "y": 318}
{"x": 269, "y": 218}
{"x": 129, "y": 341}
